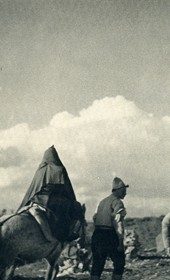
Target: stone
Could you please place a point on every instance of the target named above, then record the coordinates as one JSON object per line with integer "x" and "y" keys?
{"x": 159, "y": 243}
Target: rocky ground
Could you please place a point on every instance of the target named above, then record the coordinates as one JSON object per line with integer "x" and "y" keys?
{"x": 148, "y": 268}
{"x": 149, "y": 265}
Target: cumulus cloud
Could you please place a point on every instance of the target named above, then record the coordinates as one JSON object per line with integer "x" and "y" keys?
{"x": 110, "y": 137}
{"x": 10, "y": 157}
{"x": 9, "y": 175}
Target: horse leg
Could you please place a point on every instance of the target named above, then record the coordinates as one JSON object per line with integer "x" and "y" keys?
{"x": 53, "y": 267}
{"x": 2, "y": 272}
{"x": 6, "y": 272}
{"x": 10, "y": 272}
{"x": 52, "y": 271}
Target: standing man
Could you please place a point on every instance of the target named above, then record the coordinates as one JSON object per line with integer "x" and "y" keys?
{"x": 166, "y": 233}
{"x": 108, "y": 236}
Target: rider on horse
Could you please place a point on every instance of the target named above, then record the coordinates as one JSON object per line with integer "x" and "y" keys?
{"x": 51, "y": 199}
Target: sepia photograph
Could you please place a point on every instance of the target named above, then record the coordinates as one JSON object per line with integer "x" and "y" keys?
{"x": 85, "y": 139}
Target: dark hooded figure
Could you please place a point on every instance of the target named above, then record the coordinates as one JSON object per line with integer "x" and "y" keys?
{"x": 51, "y": 176}
{"x": 52, "y": 197}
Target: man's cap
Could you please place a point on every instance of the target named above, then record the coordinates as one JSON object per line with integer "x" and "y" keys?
{"x": 118, "y": 183}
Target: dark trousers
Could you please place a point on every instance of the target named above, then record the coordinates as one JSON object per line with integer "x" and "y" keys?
{"x": 104, "y": 244}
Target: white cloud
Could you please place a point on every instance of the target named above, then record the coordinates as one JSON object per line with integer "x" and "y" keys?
{"x": 15, "y": 136}
{"x": 112, "y": 136}
{"x": 166, "y": 119}
{"x": 10, "y": 175}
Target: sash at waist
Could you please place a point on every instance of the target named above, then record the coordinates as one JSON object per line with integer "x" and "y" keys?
{"x": 104, "y": 227}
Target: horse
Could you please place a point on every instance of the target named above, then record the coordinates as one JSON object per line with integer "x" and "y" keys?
{"x": 22, "y": 242}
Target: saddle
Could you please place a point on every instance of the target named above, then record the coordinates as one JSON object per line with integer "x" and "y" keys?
{"x": 59, "y": 224}
{"x": 39, "y": 214}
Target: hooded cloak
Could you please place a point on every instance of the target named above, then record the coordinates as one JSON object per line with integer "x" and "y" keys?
{"x": 50, "y": 178}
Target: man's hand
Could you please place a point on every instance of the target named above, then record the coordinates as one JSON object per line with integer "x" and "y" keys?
{"x": 168, "y": 251}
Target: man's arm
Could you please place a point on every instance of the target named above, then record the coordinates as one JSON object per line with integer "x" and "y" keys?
{"x": 118, "y": 215}
{"x": 95, "y": 214}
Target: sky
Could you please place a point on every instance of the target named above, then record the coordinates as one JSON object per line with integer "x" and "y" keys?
{"x": 92, "y": 78}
